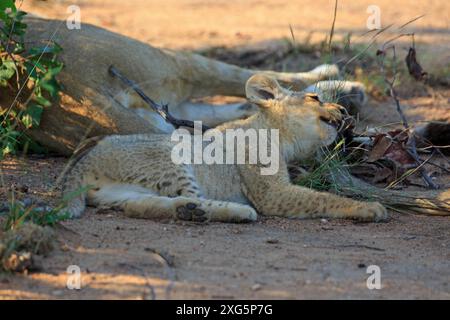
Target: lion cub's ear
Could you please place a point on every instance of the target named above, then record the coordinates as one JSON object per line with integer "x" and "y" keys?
{"x": 260, "y": 89}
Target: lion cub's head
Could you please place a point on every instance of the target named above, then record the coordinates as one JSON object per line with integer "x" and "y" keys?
{"x": 305, "y": 123}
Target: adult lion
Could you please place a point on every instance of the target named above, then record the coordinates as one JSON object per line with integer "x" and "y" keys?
{"x": 92, "y": 103}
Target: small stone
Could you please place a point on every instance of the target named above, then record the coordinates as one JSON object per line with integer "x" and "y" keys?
{"x": 57, "y": 292}
{"x": 256, "y": 287}
{"x": 324, "y": 220}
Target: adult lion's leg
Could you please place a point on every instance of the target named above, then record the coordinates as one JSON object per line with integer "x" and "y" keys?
{"x": 214, "y": 115}
{"x": 208, "y": 77}
{"x": 349, "y": 94}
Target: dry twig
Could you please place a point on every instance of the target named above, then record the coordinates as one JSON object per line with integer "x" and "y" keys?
{"x": 162, "y": 110}
{"x": 411, "y": 148}
{"x": 332, "y": 26}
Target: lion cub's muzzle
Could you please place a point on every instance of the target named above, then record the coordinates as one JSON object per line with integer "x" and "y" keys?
{"x": 341, "y": 120}
{"x": 335, "y": 115}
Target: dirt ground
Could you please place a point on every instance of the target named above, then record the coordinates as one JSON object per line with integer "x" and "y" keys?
{"x": 273, "y": 258}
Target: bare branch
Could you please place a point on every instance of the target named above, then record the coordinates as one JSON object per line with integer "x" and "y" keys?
{"x": 162, "y": 110}
{"x": 411, "y": 148}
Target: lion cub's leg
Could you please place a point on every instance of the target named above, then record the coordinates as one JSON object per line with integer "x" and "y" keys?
{"x": 140, "y": 202}
{"x": 276, "y": 196}
{"x": 298, "y": 202}
{"x": 191, "y": 209}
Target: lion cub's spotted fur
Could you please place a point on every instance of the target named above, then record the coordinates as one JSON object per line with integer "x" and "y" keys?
{"x": 136, "y": 174}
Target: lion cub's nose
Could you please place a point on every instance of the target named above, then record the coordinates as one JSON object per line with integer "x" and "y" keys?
{"x": 336, "y": 112}
{"x": 343, "y": 121}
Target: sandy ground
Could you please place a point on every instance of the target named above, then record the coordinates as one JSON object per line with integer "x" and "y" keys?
{"x": 273, "y": 258}
{"x": 196, "y": 24}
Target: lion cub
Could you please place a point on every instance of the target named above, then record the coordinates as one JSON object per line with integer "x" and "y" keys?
{"x": 137, "y": 173}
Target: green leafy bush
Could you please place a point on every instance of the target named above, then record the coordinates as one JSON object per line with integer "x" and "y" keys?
{"x": 32, "y": 68}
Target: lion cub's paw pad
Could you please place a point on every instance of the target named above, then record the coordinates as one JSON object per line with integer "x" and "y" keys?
{"x": 191, "y": 212}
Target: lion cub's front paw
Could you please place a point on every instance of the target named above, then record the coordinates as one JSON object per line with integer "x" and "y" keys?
{"x": 246, "y": 214}
{"x": 373, "y": 211}
{"x": 191, "y": 212}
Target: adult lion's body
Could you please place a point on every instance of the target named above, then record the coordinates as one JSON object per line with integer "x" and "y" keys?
{"x": 92, "y": 103}
{"x": 87, "y": 87}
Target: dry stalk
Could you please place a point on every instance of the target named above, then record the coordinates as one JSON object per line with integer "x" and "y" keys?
{"x": 430, "y": 202}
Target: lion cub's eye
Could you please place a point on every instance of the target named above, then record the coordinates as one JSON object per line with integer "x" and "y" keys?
{"x": 313, "y": 96}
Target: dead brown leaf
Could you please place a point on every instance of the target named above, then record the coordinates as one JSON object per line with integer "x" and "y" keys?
{"x": 414, "y": 68}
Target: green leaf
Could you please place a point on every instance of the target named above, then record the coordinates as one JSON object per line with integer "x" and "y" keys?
{"x": 30, "y": 145}
{"x": 7, "y": 70}
{"x": 5, "y": 4}
{"x": 51, "y": 86}
{"x": 18, "y": 28}
{"x": 9, "y": 141}
{"x": 42, "y": 101}
{"x": 37, "y": 51}
{"x": 31, "y": 70}
{"x": 42, "y": 66}
{"x": 32, "y": 116}
{"x": 27, "y": 121}
{"x": 49, "y": 83}
{"x": 18, "y": 15}
{"x": 19, "y": 48}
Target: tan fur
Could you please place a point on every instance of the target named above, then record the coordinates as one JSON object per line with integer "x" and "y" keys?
{"x": 136, "y": 173}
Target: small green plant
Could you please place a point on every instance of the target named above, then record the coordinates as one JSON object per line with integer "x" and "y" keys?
{"x": 23, "y": 70}
{"x": 18, "y": 214}
{"x": 27, "y": 230}
{"x": 318, "y": 177}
